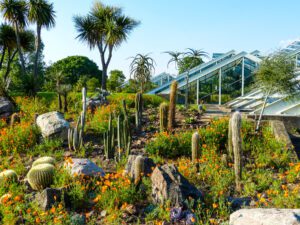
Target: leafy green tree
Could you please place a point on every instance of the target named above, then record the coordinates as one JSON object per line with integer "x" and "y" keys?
{"x": 116, "y": 79}
{"x": 141, "y": 68}
{"x": 41, "y": 13}
{"x": 276, "y": 74}
{"x": 75, "y": 67}
{"x": 105, "y": 27}
{"x": 15, "y": 12}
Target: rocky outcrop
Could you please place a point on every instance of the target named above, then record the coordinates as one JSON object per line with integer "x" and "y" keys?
{"x": 261, "y": 216}
{"x": 280, "y": 132}
{"x": 169, "y": 184}
{"x": 48, "y": 197}
{"x": 53, "y": 125}
{"x": 83, "y": 167}
{"x": 6, "y": 107}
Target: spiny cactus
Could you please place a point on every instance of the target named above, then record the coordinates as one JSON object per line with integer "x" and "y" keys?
{"x": 195, "y": 146}
{"x": 43, "y": 160}
{"x": 41, "y": 176}
{"x": 172, "y": 106}
{"x": 230, "y": 151}
{"x": 163, "y": 116}
{"x": 138, "y": 110}
{"x": 109, "y": 140}
{"x": 8, "y": 175}
{"x": 138, "y": 169}
{"x": 126, "y": 130}
{"x": 75, "y": 136}
{"x": 15, "y": 118}
{"x": 236, "y": 123}
{"x": 83, "y": 113}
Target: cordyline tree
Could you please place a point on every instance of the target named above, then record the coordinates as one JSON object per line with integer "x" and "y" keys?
{"x": 276, "y": 75}
{"x": 105, "y": 28}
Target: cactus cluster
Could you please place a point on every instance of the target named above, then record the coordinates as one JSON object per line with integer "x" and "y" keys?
{"x": 75, "y": 135}
{"x": 123, "y": 134}
{"x": 163, "y": 116}
{"x": 172, "y": 106}
{"x": 138, "y": 110}
{"x": 41, "y": 176}
{"x": 236, "y": 122}
{"x": 8, "y": 175}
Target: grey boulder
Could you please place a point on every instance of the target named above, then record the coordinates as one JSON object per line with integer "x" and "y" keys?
{"x": 53, "y": 125}
{"x": 84, "y": 167}
{"x": 6, "y": 107}
{"x": 148, "y": 166}
{"x": 169, "y": 184}
{"x": 261, "y": 216}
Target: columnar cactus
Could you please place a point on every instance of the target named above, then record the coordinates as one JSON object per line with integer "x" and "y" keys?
{"x": 126, "y": 130}
{"x": 138, "y": 110}
{"x": 41, "y": 176}
{"x": 229, "y": 144}
{"x": 138, "y": 169}
{"x": 75, "y": 136}
{"x": 83, "y": 113}
{"x": 172, "y": 106}
{"x": 43, "y": 160}
{"x": 237, "y": 148}
{"x": 163, "y": 116}
{"x": 109, "y": 140}
{"x": 8, "y": 175}
{"x": 195, "y": 146}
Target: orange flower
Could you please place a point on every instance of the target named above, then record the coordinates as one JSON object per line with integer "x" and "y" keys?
{"x": 52, "y": 210}
{"x": 215, "y": 205}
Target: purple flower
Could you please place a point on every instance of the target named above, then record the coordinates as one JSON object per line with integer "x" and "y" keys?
{"x": 176, "y": 214}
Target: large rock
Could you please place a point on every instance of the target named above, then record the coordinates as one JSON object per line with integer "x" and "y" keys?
{"x": 48, "y": 197}
{"x": 149, "y": 166}
{"x": 83, "y": 167}
{"x": 169, "y": 184}
{"x": 6, "y": 107}
{"x": 53, "y": 125}
{"x": 265, "y": 217}
{"x": 280, "y": 132}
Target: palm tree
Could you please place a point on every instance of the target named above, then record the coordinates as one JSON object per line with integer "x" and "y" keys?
{"x": 15, "y": 12}
{"x": 105, "y": 27}
{"x": 175, "y": 58}
{"x": 142, "y": 67}
{"x": 42, "y": 13}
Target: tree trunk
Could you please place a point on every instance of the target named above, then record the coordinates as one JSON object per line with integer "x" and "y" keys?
{"x": 2, "y": 56}
{"x": 104, "y": 76}
{"x": 262, "y": 112}
{"x": 37, "y": 55}
{"x": 10, "y": 59}
{"x": 66, "y": 103}
{"x": 20, "y": 50}
{"x": 187, "y": 91}
{"x": 59, "y": 102}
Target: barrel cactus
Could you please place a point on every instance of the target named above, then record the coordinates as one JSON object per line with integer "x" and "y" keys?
{"x": 8, "y": 175}
{"x": 41, "y": 176}
{"x": 163, "y": 116}
{"x": 43, "y": 160}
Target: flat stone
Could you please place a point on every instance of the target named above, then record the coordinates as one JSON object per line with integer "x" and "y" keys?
{"x": 261, "y": 216}
{"x": 53, "y": 125}
{"x": 83, "y": 167}
{"x": 48, "y": 197}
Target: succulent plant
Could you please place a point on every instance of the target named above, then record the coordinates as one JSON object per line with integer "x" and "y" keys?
{"x": 138, "y": 110}
{"x": 43, "y": 160}
{"x": 109, "y": 140}
{"x": 41, "y": 176}
{"x": 15, "y": 118}
{"x": 163, "y": 116}
{"x": 138, "y": 169}
{"x": 236, "y": 122}
{"x": 230, "y": 151}
{"x": 8, "y": 175}
{"x": 195, "y": 146}
{"x": 172, "y": 106}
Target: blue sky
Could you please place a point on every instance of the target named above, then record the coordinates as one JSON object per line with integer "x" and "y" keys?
{"x": 211, "y": 25}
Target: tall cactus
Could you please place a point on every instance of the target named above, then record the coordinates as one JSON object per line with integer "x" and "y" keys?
{"x": 172, "y": 106}
{"x": 195, "y": 146}
{"x": 236, "y": 123}
{"x": 138, "y": 169}
{"x": 163, "y": 116}
{"x": 109, "y": 140}
{"x": 229, "y": 143}
{"x": 138, "y": 110}
{"x": 83, "y": 113}
{"x": 126, "y": 129}
{"x": 75, "y": 136}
